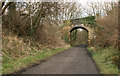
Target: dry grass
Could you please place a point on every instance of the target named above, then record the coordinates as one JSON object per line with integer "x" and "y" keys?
{"x": 110, "y": 23}
{"x": 18, "y": 55}
{"x": 24, "y": 51}
{"x": 49, "y": 35}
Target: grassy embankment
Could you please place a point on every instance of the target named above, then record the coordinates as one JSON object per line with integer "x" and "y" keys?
{"x": 13, "y": 64}
{"x": 18, "y": 55}
{"x": 106, "y": 59}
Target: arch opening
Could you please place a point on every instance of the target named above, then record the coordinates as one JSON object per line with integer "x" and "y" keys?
{"x": 78, "y": 27}
{"x": 79, "y": 35}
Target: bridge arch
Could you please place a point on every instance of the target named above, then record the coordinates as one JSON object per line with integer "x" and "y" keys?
{"x": 82, "y": 27}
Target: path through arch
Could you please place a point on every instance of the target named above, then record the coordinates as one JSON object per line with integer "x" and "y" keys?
{"x": 74, "y": 38}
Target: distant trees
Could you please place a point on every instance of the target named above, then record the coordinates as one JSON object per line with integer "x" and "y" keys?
{"x": 108, "y": 36}
{"x": 70, "y": 10}
{"x": 38, "y": 20}
{"x": 31, "y": 14}
{"x": 26, "y": 18}
{"x": 100, "y": 8}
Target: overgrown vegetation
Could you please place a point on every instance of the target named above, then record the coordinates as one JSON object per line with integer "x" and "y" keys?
{"x": 109, "y": 35}
{"x": 105, "y": 44}
{"x": 106, "y": 34}
{"x": 106, "y": 59}
{"x": 90, "y": 21}
{"x": 73, "y": 36}
{"x": 66, "y": 23}
{"x": 30, "y": 30}
{"x": 66, "y": 37}
{"x": 35, "y": 29}
{"x": 18, "y": 50}
{"x": 86, "y": 20}
{"x": 12, "y": 63}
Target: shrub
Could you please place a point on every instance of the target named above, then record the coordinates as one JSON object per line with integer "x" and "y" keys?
{"x": 108, "y": 36}
{"x": 66, "y": 37}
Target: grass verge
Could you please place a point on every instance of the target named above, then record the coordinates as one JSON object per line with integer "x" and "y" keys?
{"x": 105, "y": 59}
{"x": 16, "y": 64}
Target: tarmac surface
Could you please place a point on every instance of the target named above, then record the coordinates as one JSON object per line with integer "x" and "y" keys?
{"x": 76, "y": 60}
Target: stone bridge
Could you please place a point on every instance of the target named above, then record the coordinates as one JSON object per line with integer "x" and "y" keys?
{"x": 90, "y": 30}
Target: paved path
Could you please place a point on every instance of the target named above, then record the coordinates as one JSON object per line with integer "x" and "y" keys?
{"x": 76, "y": 60}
